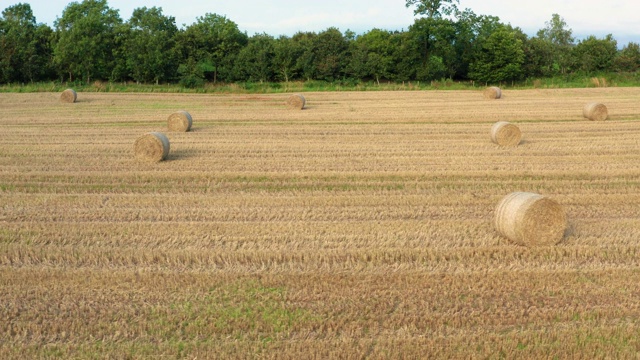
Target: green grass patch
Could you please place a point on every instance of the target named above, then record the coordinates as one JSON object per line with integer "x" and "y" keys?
{"x": 574, "y": 80}
{"x": 245, "y": 310}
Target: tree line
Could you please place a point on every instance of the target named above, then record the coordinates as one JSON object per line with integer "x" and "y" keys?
{"x": 90, "y": 41}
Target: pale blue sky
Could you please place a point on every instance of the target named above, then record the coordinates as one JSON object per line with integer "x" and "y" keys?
{"x": 276, "y": 17}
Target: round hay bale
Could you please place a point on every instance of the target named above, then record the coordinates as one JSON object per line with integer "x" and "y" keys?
{"x": 153, "y": 146}
{"x": 505, "y": 133}
{"x": 69, "y": 96}
{"x": 492, "y": 93}
{"x": 530, "y": 219}
{"x": 180, "y": 121}
{"x": 296, "y": 101}
{"x": 595, "y": 111}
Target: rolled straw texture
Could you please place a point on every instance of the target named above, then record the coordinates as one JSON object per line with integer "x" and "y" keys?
{"x": 69, "y": 96}
{"x": 595, "y": 112}
{"x": 153, "y": 146}
{"x": 504, "y": 133}
{"x": 530, "y": 219}
{"x": 296, "y": 101}
{"x": 180, "y": 121}
{"x": 493, "y": 92}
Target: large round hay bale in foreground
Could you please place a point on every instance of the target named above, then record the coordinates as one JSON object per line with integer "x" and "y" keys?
{"x": 296, "y": 101}
{"x": 595, "y": 111}
{"x": 69, "y": 96}
{"x": 530, "y": 219}
{"x": 492, "y": 93}
{"x": 180, "y": 121}
{"x": 505, "y": 133}
{"x": 153, "y": 147}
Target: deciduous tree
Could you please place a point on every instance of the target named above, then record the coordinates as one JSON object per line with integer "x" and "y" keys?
{"x": 329, "y": 48}
{"x": 560, "y": 39}
{"x": 499, "y": 59}
{"x": 286, "y": 53}
{"x": 212, "y": 41}
{"x": 371, "y": 55}
{"x": 433, "y": 8}
{"x": 25, "y": 47}
{"x": 255, "y": 61}
{"x": 87, "y": 40}
{"x": 435, "y": 40}
{"x": 628, "y": 59}
{"x": 593, "y": 54}
{"x": 150, "y": 45}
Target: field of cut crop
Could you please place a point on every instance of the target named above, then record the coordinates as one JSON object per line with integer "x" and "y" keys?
{"x": 357, "y": 228}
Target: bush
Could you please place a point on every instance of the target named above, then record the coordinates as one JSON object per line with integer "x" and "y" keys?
{"x": 191, "y": 81}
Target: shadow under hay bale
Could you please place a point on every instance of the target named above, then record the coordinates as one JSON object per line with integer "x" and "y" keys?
{"x": 180, "y": 121}
{"x": 69, "y": 96}
{"x": 504, "y": 133}
{"x": 530, "y": 219}
{"x": 492, "y": 93}
{"x": 296, "y": 102}
{"x": 151, "y": 147}
{"x": 595, "y": 111}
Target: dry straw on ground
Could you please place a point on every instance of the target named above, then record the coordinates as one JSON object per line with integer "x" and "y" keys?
{"x": 530, "y": 219}
{"x": 493, "y": 92}
{"x": 153, "y": 146}
{"x": 504, "y": 133}
{"x": 296, "y": 101}
{"x": 180, "y": 121}
{"x": 599, "y": 82}
{"x": 68, "y": 96}
{"x": 595, "y": 111}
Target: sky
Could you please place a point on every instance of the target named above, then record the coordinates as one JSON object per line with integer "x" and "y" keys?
{"x": 621, "y": 18}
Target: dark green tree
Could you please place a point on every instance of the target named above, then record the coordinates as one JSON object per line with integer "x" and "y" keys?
{"x": 434, "y": 38}
{"x": 304, "y": 42}
{"x": 470, "y": 29}
{"x": 500, "y": 58}
{"x": 593, "y": 54}
{"x": 25, "y": 47}
{"x": 213, "y": 42}
{"x": 405, "y": 57}
{"x": 191, "y": 73}
{"x": 330, "y": 53}
{"x": 433, "y": 8}
{"x": 255, "y": 61}
{"x": 86, "y": 45}
{"x": 538, "y": 58}
{"x": 371, "y": 56}
{"x": 628, "y": 59}
{"x": 560, "y": 39}
{"x": 286, "y": 53}
{"x": 150, "y": 46}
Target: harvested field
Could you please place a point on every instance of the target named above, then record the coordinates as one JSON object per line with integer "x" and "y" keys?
{"x": 361, "y": 227}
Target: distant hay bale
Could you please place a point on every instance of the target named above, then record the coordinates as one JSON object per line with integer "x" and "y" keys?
{"x": 153, "y": 146}
{"x": 69, "y": 96}
{"x": 180, "y": 121}
{"x": 595, "y": 111}
{"x": 530, "y": 219}
{"x": 504, "y": 133}
{"x": 492, "y": 93}
{"x": 296, "y": 101}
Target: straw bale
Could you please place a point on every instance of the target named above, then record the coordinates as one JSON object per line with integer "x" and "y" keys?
{"x": 153, "y": 146}
{"x": 504, "y": 133}
{"x": 595, "y": 111}
{"x": 180, "y": 121}
{"x": 296, "y": 101}
{"x": 530, "y": 219}
{"x": 69, "y": 96}
{"x": 492, "y": 93}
